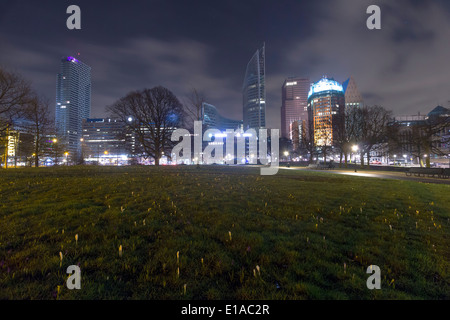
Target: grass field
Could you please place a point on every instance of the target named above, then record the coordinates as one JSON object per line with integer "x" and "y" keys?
{"x": 220, "y": 233}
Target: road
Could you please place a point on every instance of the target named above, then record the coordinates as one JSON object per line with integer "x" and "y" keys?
{"x": 377, "y": 174}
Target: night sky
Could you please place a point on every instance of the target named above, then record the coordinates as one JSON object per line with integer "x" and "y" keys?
{"x": 206, "y": 45}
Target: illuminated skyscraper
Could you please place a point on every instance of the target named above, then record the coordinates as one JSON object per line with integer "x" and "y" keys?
{"x": 73, "y": 102}
{"x": 254, "y": 92}
{"x": 294, "y": 104}
{"x": 326, "y": 107}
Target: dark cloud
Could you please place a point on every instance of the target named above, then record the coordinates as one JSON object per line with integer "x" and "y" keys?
{"x": 206, "y": 45}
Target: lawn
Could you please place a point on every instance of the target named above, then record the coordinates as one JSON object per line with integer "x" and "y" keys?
{"x": 220, "y": 232}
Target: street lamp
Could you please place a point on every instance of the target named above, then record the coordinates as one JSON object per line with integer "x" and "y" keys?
{"x": 56, "y": 154}
{"x": 105, "y": 153}
{"x": 66, "y": 154}
{"x": 355, "y": 149}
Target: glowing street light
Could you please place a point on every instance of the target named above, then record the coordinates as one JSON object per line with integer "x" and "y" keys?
{"x": 355, "y": 149}
{"x": 56, "y": 152}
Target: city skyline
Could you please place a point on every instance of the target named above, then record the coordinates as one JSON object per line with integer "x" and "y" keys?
{"x": 409, "y": 77}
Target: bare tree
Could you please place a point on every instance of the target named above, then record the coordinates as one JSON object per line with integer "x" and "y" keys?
{"x": 14, "y": 93}
{"x": 40, "y": 125}
{"x": 347, "y": 133}
{"x": 425, "y": 138}
{"x": 193, "y": 105}
{"x": 152, "y": 115}
{"x": 371, "y": 129}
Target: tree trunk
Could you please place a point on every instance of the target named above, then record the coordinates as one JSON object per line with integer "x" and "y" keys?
{"x": 361, "y": 156}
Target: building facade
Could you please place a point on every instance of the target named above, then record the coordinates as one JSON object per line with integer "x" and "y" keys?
{"x": 326, "y": 108}
{"x": 294, "y": 105}
{"x": 254, "y": 92}
{"x": 106, "y": 142}
{"x": 73, "y": 102}
{"x": 353, "y": 97}
{"x": 423, "y": 139}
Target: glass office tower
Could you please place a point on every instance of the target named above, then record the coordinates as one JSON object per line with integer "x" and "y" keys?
{"x": 73, "y": 103}
{"x": 254, "y": 92}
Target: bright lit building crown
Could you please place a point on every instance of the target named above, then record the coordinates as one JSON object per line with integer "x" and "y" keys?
{"x": 325, "y": 84}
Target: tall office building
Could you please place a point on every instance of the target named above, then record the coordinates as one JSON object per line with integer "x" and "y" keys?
{"x": 294, "y": 105}
{"x": 254, "y": 92}
{"x": 73, "y": 103}
{"x": 353, "y": 97}
{"x": 326, "y": 107}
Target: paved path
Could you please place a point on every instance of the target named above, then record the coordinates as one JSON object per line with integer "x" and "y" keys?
{"x": 377, "y": 174}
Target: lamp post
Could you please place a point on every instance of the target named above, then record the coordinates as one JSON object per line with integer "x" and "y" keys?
{"x": 56, "y": 153}
{"x": 355, "y": 149}
{"x": 82, "y": 150}
{"x": 105, "y": 153}
{"x": 67, "y": 155}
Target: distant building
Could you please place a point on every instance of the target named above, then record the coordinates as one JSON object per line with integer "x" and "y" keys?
{"x": 73, "y": 102}
{"x": 297, "y": 133}
{"x": 211, "y": 119}
{"x": 294, "y": 104}
{"x": 254, "y": 92}
{"x": 353, "y": 97}
{"x": 105, "y": 141}
{"x": 20, "y": 145}
{"x": 423, "y": 136}
{"x": 326, "y": 108}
